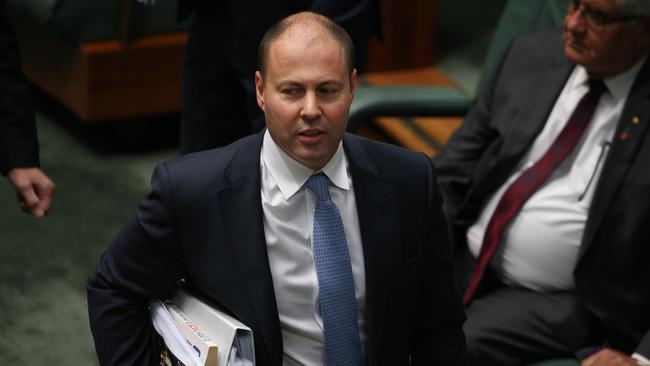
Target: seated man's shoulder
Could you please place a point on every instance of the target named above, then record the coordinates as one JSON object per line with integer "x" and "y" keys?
{"x": 538, "y": 41}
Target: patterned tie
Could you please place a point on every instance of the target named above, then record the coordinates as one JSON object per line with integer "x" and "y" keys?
{"x": 524, "y": 186}
{"x": 335, "y": 282}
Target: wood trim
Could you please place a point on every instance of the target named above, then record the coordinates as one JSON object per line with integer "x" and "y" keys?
{"x": 409, "y": 32}
{"x": 424, "y": 134}
{"x": 102, "y": 80}
{"x": 415, "y": 76}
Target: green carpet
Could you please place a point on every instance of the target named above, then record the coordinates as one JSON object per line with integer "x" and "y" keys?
{"x": 44, "y": 263}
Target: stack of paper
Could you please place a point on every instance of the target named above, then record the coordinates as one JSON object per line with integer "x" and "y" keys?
{"x": 197, "y": 333}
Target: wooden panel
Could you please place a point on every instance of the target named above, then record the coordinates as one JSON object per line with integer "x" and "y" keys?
{"x": 403, "y": 135}
{"x": 143, "y": 79}
{"x": 409, "y": 36}
{"x": 103, "y": 80}
{"x": 416, "y": 76}
{"x": 439, "y": 129}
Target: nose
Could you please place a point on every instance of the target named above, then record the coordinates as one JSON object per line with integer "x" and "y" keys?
{"x": 575, "y": 21}
{"x": 311, "y": 107}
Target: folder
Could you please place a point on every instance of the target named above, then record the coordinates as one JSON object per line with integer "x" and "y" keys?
{"x": 198, "y": 333}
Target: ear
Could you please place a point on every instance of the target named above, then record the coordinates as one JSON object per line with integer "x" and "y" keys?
{"x": 259, "y": 90}
{"x": 353, "y": 82}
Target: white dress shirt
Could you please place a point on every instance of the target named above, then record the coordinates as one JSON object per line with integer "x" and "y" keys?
{"x": 540, "y": 246}
{"x": 288, "y": 222}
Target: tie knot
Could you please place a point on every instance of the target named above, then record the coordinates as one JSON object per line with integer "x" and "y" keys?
{"x": 318, "y": 183}
{"x": 597, "y": 86}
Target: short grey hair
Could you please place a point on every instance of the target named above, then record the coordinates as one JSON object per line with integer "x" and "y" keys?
{"x": 635, "y": 8}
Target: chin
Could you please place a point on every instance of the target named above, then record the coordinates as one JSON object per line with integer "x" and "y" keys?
{"x": 573, "y": 55}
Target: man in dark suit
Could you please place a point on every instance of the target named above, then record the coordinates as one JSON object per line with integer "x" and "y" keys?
{"x": 569, "y": 272}
{"x": 218, "y": 99}
{"x": 19, "y": 159}
{"x": 236, "y": 224}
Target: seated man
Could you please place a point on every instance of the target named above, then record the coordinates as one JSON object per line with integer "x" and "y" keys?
{"x": 371, "y": 284}
{"x": 547, "y": 189}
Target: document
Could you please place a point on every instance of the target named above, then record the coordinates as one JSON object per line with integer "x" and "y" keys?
{"x": 198, "y": 333}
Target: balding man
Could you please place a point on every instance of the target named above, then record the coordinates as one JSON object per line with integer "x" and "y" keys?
{"x": 332, "y": 248}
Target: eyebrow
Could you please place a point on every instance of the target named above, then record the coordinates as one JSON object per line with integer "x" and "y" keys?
{"x": 297, "y": 83}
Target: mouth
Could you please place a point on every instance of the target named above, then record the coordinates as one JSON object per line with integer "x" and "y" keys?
{"x": 574, "y": 44}
{"x": 311, "y": 136}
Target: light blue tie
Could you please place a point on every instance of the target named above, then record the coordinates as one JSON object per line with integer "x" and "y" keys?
{"x": 335, "y": 281}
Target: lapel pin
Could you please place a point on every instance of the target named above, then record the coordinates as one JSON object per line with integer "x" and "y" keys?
{"x": 636, "y": 120}
{"x": 623, "y": 135}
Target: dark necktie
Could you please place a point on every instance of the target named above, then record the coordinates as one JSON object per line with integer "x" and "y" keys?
{"x": 529, "y": 180}
{"x": 335, "y": 281}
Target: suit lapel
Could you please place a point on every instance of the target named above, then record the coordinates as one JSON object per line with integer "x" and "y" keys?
{"x": 372, "y": 197}
{"x": 535, "y": 106}
{"x": 630, "y": 133}
{"x": 534, "y": 110}
{"x": 241, "y": 204}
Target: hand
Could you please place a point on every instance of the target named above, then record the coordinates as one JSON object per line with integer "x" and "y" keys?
{"x": 609, "y": 357}
{"x": 33, "y": 188}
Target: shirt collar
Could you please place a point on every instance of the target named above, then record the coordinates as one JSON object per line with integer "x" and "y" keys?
{"x": 618, "y": 86}
{"x": 290, "y": 175}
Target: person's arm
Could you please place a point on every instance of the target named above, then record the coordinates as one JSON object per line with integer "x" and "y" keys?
{"x": 438, "y": 338}
{"x": 144, "y": 262}
{"x": 457, "y": 162}
{"x": 19, "y": 158}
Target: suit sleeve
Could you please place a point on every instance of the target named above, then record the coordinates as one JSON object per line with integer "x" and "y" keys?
{"x": 457, "y": 162}
{"x": 18, "y": 139}
{"x": 142, "y": 263}
{"x": 439, "y": 338}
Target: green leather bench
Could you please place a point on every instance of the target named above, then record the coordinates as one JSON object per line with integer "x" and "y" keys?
{"x": 421, "y": 101}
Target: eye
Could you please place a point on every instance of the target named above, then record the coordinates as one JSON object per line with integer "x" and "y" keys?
{"x": 328, "y": 90}
{"x": 598, "y": 16}
{"x": 291, "y": 91}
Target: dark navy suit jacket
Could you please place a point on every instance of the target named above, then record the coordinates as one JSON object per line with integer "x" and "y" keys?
{"x": 203, "y": 221}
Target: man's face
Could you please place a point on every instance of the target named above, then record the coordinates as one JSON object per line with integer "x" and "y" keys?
{"x": 306, "y": 94}
{"x": 605, "y": 50}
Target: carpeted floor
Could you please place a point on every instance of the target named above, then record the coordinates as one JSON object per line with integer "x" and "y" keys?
{"x": 44, "y": 263}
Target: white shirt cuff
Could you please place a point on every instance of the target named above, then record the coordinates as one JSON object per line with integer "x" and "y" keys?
{"x": 640, "y": 359}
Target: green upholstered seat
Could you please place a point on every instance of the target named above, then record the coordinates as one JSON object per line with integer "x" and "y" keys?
{"x": 403, "y": 101}
{"x": 398, "y": 101}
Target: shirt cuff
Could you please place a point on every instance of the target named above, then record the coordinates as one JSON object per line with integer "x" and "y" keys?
{"x": 640, "y": 359}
